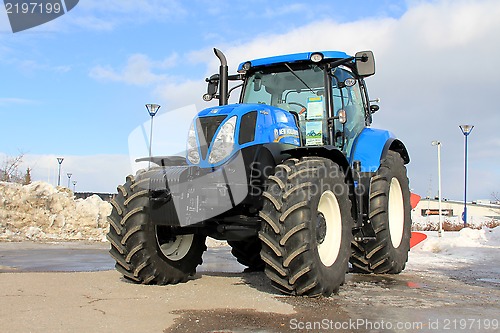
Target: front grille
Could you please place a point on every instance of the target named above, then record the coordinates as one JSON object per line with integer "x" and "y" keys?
{"x": 207, "y": 126}
{"x": 247, "y": 127}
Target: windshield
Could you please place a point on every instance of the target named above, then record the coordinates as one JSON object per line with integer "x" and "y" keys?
{"x": 278, "y": 88}
{"x": 299, "y": 90}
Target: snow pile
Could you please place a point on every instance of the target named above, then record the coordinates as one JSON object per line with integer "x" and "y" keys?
{"x": 39, "y": 211}
{"x": 470, "y": 255}
{"x": 463, "y": 241}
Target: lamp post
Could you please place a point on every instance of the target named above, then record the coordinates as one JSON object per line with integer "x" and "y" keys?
{"x": 466, "y": 130}
{"x": 152, "y": 110}
{"x": 69, "y": 178}
{"x": 59, "y": 160}
{"x": 438, "y": 144}
{"x": 74, "y": 185}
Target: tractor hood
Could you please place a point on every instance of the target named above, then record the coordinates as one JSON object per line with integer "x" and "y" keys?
{"x": 217, "y": 133}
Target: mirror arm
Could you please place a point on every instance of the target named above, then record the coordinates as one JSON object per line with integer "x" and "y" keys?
{"x": 339, "y": 62}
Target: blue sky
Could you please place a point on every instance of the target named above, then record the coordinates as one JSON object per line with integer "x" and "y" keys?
{"x": 76, "y": 87}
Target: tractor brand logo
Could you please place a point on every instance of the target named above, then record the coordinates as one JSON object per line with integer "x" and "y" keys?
{"x": 285, "y": 133}
{"x": 24, "y": 15}
{"x": 264, "y": 112}
{"x": 288, "y": 131}
{"x": 214, "y": 111}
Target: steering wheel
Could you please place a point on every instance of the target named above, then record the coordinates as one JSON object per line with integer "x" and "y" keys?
{"x": 304, "y": 109}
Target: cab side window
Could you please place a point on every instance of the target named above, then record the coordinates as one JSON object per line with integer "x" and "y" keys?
{"x": 348, "y": 97}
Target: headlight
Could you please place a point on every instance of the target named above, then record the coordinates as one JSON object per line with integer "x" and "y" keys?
{"x": 316, "y": 57}
{"x": 224, "y": 142}
{"x": 192, "y": 146}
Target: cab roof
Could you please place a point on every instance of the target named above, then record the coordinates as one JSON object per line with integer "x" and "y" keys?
{"x": 295, "y": 57}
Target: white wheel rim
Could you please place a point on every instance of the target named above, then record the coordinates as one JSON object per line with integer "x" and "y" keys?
{"x": 177, "y": 249}
{"x": 396, "y": 213}
{"x": 329, "y": 249}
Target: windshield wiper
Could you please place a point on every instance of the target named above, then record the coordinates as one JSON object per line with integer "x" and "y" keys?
{"x": 298, "y": 78}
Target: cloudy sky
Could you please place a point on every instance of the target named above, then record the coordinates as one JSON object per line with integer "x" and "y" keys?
{"x": 76, "y": 87}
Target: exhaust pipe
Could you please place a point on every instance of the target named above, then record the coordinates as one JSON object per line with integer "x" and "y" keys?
{"x": 223, "y": 77}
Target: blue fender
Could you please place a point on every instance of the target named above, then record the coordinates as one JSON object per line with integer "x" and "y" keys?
{"x": 372, "y": 145}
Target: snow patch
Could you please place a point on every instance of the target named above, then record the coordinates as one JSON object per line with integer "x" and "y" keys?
{"x": 465, "y": 238}
{"x": 41, "y": 212}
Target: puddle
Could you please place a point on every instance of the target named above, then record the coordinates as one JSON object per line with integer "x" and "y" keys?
{"x": 489, "y": 280}
{"x": 77, "y": 257}
{"x": 385, "y": 281}
{"x": 219, "y": 260}
{"x": 55, "y": 259}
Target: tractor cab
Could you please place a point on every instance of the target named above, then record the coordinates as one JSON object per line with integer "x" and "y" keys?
{"x": 324, "y": 91}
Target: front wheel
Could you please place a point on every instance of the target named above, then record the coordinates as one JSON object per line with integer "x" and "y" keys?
{"x": 146, "y": 253}
{"x": 307, "y": 227}
{"x": 390, "y": 211}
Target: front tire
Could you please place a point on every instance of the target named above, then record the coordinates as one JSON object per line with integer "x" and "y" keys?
{"x": 146, "y": 253}
{"x": 390, "y": 211}
{"x": 307, "y": 227}
{"x": 247, "y": 252}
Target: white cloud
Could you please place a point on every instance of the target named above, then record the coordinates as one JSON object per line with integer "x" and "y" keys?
{"x": 137, "y": 71}
{"x": 289, "y": 9}
{"x": 108, "y": 14}
{"x": 11, "y": 100}
{"x": 29, "y": 66}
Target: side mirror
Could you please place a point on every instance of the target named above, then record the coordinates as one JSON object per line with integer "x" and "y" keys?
{"x": 374, "y": 108}
{"x": 365, "y": 63}
{"x": 213, "y": 85}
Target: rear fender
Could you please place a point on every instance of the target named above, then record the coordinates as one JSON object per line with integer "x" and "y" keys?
{"x": 372, "y": 145}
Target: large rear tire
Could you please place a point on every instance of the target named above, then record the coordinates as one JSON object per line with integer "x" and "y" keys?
{"x": 143, "y": 252}
{"x": 390, "y": 211}
{"x": 307, "y": 227}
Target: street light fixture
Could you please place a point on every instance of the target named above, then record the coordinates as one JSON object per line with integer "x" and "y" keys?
{"x": 74, "y": 185}
{"x": 59, "y": 160}
{"x": 69, "y": 178}
{"x": 438, "y": 144}
{"x": 152, "y": 110}
{"x": 466, "y": 130}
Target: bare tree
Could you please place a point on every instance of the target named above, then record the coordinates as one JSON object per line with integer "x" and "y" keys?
{"x": 9, "y": 171}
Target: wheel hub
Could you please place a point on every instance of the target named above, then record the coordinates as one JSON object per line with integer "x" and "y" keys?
{"x": 320, "y": 228}
{"x": 173, "y": 247}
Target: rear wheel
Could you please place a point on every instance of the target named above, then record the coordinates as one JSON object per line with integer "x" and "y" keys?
{"x": 306, "y": 231}
{"x": 390, "y": 216}
{"x": 143, "y": 252}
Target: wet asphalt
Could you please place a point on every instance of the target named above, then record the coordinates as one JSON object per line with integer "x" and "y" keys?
{"x": 89, "y": 257}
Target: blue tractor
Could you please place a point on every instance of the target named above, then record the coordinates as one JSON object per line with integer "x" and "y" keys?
{"x": 292, "y": 176}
